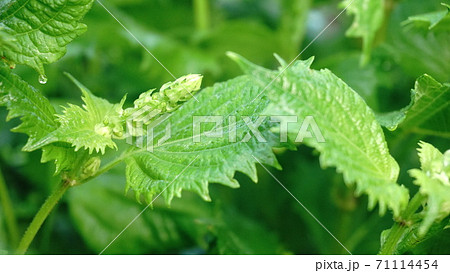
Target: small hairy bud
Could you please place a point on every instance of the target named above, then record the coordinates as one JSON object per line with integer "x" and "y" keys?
{"x": 90, "y": 167}
{"x": 170, "y": 97}
{"x": 182, "y": 89}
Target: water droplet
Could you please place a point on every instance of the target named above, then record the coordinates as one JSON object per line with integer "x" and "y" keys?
{"x": 42, "y": 79}
{"x": 392, "y": 128}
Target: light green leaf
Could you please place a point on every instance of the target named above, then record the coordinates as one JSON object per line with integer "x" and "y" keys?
{"x": 428, "y": 111}
{"x": 42, "y": 29}
{"x": 91, "y": 127}
{"x": 354, "y": 141}
{"x": 438, "y": 20}
{"x": 22, "y": 100}
{"x": 433, "y": 179}
{"x": 38, "y": 119}
{"x": 191, "y": 161}
{"x": 65, "y": 158}
{"x": 364, "y": 80}
{"x": 369, "y": 15}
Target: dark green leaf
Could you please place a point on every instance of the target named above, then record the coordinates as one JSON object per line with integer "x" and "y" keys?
{"x": 22, "y": 100}
{"x": 42, "y": 29}
{"x": 100, "y": 212}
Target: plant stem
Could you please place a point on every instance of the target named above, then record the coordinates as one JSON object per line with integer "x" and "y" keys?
{"x": 53, "y": 199}
{"x": 10, "y": 217}
{"x": 202, "y": 14}
{"x": 400, "y": 227}
{"x": 40, "y": 217}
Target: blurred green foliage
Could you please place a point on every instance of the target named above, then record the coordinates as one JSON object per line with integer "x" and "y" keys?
{"x": 255, "y": 219}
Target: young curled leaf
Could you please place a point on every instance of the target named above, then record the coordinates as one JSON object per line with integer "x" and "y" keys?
{"x": 90, "y": 167}
{"x": 91, "y": 127}
{"x": 433, "y": 179}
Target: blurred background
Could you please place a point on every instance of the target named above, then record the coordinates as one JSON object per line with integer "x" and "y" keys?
{"x": 192, "y": 37}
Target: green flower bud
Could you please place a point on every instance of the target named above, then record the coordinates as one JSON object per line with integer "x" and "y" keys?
{"x": 90, "y": 167}
{"x": 182, "y": 89}
{"x": 170, "y": 97}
